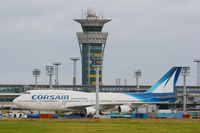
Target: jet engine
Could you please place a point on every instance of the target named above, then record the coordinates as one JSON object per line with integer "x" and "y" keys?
{"x": 124, "y": 109}
{"x": 89, "y": 111}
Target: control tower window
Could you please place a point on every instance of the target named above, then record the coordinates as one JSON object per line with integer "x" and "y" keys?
{"x": 92, "y": 28}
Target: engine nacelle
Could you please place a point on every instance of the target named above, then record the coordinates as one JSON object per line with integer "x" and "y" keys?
{"x": 89, "y": 111}
{"x": 124, "y": 109}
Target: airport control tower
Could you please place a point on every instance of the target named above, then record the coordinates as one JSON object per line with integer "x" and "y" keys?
{"x": 92, "y": 43}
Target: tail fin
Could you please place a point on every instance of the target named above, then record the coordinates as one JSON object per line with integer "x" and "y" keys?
{"x": 167, "y": 83}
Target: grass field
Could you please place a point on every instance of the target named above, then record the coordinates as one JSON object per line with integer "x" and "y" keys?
{"x": 101, "y": 126}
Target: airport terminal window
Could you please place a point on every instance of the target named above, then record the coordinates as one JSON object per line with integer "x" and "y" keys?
{"x": 190, "y": 98}
{"x": 6, "y": 99}
{"x": 11, "y": 89}
{"x": 27, "y": 93}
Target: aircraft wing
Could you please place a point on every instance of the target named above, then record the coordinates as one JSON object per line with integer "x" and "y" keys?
{"x": 102, "y": 107}
{"x": 77, "y": 108}
{"x": 189, "y": 94}
{"x": 178, "y": 95}
{"x": 195, "y": 95}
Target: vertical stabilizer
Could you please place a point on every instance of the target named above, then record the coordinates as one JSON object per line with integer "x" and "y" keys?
{"x": 167, "y": 83}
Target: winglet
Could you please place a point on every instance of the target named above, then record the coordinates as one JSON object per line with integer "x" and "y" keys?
{"x": 167, "y": 83}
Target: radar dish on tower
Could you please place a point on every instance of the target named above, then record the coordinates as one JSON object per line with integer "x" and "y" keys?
{"x": 91, "y": 12}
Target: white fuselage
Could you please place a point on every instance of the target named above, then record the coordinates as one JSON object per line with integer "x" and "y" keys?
{"x": 64, "y": 100}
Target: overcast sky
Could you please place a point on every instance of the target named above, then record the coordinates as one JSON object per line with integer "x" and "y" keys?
{"x": 150, "y": 35}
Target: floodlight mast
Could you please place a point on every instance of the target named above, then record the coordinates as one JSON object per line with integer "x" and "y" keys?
{"x": 97, "y": 92}
{"x": 56, "y": 64}
{"x": 185, "y": 72}
{"x": 97, "y": 63}
{"x": 138, "y": 74}
{"x": 74, "y": 59}
{"x": 36, "y": 74}
{"x": 50, "y": 72}
{"x": 198, "y": 71}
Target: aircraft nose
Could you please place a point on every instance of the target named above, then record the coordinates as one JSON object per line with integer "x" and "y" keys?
{"x": 16, "y": 101}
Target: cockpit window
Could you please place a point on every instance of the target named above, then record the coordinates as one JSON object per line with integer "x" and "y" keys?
{"x": 27, "y": 93}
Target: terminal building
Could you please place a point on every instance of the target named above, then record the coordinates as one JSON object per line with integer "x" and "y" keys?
{"x": 92, "y": 43}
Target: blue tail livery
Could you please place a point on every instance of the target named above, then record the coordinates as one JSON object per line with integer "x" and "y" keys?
{"x": 167, "y": 83}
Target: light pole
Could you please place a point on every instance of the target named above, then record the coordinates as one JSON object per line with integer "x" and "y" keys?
{"x": 125, "y": 81}
{"x": 198, "y": 71}
{"x": 185, "y": 72}
{"x": 74, "y": 59}
{"x": 56, "y": 64}
{"x": 97, "y": 91}
{"x": 97, "y": 64}
{"x": 36, "y": 74}
{"x": 138, "y": 74}
{"x": 50, "y": 72}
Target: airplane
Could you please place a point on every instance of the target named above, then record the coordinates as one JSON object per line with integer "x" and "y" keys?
{"x": 67, "y": 100}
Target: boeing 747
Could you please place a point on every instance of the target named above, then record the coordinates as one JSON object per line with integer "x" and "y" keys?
{"x": 66, "y": 100}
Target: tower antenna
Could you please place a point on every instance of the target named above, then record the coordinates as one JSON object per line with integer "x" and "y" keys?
{"x": 82, "y": 12}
